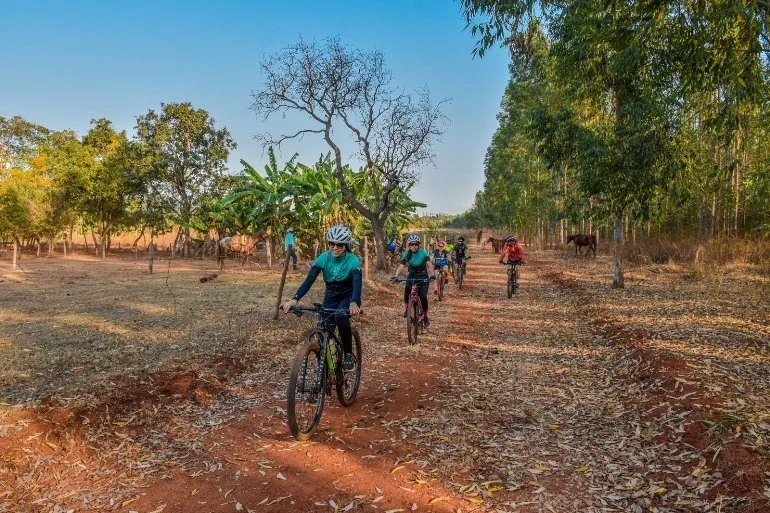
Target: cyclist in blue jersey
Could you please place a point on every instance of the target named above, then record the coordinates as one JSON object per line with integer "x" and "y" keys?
{"x": 420, "y": 268}
{"x": 440, "y": 258}
{"x": 342, "y": 274}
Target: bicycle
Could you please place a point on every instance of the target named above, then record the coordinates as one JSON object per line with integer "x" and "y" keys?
{"x": 460, "y": 267}
{"x": 439, "y": 265}
{"x": 414, "y": 320}
{"x": 318, "y": 366}
{"x": 513, "y": 277}
{"x": 395, "y": 256}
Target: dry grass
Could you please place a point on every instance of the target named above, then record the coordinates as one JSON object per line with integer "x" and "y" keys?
{"x": 687, "y": 251}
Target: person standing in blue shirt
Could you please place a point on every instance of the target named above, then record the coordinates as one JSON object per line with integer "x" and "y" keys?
{"x": 290, "y": 247}
{"x": 342, "y": 274}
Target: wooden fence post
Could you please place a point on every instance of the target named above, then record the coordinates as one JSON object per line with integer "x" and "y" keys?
{"x": 280, "y": 287}
{"x": 152, "y": 254}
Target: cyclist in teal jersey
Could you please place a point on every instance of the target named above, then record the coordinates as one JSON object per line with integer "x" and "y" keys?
{"x": 420, "y": 267}
{"x": 342, "y": 273}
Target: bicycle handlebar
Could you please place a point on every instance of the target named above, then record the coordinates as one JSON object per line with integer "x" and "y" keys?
{"x": 317, "y": 308}
{"x": 414, "y": 280}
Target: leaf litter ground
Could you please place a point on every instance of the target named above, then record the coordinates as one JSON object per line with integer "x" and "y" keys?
{"x": 131, "y": 392}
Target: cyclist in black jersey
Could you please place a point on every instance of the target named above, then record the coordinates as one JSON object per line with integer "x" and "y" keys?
{"x": 461, "y": 253}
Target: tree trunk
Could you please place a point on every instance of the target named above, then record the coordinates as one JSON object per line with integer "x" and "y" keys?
{"x": 280, "y": 286}
{"x": 65, "y": 248}
{"x": 617, "y": 275}
{"x": 366, "y": 258}
{"x": 38, "y": 248}
{"x": 50, "y": 247}
{"x": 268, "y": 249}
{"x": 96, "y": 244}
{"x": 15, "y": 252}
{"x": 380, "y": 244}
{"x": 151, "y": 253}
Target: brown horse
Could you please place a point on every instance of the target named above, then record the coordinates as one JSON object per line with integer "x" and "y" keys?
{"x": 581, "y": 240}
{"x": 237, "y": 244}
{"x": 497, "y": 244}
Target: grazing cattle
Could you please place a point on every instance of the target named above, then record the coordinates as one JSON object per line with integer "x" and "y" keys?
{"x": 581, "y": 240}
{"x": 237, "y": 244}
{"x": 497, "y": 244}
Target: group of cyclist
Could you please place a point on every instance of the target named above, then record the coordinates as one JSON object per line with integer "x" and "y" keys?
{"x": 341, "y": 270}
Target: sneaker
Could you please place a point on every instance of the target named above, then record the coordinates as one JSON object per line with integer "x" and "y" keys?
{"x": 425, "y": 321}
{"x": 349, "y": 363}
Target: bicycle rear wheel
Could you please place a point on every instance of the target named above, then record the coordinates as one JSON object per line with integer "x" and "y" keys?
{"x": 307, "y": 384}
{"x": 348, "y": 382}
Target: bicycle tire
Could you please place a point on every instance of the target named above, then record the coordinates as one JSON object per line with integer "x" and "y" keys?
{"x": 349, "y": 382}
{"x": 418, "y": 316}
{"x": 411, "y": 325}
{"x": 510, "y": 283}
{"x": 515, "y": 280}
{"x": 441, "y": 286}
{"x": 308, "y": 354}
{"x": 460, "y": 275}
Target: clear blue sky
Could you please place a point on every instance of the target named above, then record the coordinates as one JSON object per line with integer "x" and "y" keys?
{"x": 65, "y": 63}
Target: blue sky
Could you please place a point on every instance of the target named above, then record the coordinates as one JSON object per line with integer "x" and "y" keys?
{"x": 65, "y": 63}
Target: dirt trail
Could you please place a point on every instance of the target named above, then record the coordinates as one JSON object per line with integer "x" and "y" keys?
{"x": 568, "y": 397}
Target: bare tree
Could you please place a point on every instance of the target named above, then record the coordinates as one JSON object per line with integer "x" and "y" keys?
{"x": 347, "y": 93}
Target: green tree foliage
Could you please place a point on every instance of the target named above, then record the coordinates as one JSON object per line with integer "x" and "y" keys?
{"x": 626, "y": 115}
{"x": 187, "y": 156}
{"x": 307, "y": 198}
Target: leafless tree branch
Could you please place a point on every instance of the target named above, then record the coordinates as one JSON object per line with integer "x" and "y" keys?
{"x": 339, "y": 87}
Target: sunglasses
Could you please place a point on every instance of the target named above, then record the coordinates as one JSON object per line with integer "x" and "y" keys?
{"x": 414, "y": 243}
{"x": 337, "y": 244}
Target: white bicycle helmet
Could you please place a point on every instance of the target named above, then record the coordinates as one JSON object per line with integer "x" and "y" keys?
{"x": 340, "y": 234}
{"x": 413, "y": 238}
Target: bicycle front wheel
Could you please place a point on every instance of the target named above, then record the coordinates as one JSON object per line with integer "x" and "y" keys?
{"x": 510, "y": 284}
{"x": 460, "y": 275}
{"x": 411, "y": 322}
{"x": 348, "y": 382}
{"x": 441, "y": 286}
{"x": 307, "y": 384}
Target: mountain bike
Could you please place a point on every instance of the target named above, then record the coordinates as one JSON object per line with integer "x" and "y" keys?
{"x": 439, "y": 265}
{"x": 460, "y": 268}
{"x": 317, "y": 367}
{"x": 414, "y": 320}
{"x": 513, "y": 277}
